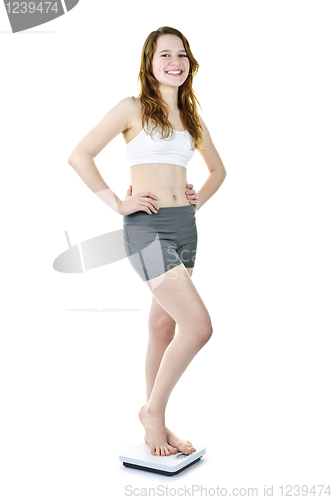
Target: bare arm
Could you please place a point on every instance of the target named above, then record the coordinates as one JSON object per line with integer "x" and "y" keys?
{"x": 117, "y": 120}
{"x": 215, "y": 166}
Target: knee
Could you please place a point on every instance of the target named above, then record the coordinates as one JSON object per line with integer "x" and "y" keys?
{"x": 204, "y": 331}
{"x": 162, "y": 329}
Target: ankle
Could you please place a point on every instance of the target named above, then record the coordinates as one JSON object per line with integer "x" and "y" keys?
{"x": 154, "y": 411}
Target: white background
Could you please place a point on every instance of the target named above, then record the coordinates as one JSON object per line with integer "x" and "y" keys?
{"x": 258, "y": 396}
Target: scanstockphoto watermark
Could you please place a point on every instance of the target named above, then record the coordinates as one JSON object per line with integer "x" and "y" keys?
{"x": 190, "y": 491}
{"x": 25, "y": 15}
{"x": 283, "y": 490}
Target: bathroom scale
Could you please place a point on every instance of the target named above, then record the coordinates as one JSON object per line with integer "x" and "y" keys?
{"x": 141, "y": 458}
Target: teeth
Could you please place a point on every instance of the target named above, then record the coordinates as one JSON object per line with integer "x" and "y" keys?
{"x": 174, "y": 72}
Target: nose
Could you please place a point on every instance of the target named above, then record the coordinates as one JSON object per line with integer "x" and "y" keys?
{"x": 174, "y": 62}
{"x": 174, "y": 59}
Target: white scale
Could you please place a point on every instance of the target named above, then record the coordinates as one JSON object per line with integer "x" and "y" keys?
{"x": 141, "y": 458}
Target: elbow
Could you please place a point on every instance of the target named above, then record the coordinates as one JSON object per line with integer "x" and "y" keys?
{"x": 224, "y": 174}
{"x": 220, "y": 172}
{"x": 71, "y": 160}
{"x": 77, "y": 156}
{"x": 74, "y": 159}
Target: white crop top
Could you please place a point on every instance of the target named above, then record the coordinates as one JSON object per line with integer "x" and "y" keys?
{"x": 176, "y": 150}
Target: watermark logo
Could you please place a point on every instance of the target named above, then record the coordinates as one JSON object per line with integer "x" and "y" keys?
{"x": 25, "y": 15}
{"x": 90, "y": 254}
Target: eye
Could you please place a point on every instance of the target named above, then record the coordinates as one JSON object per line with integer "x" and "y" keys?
{"x": 164, "y": 55}
{"x": 183, "y": 55}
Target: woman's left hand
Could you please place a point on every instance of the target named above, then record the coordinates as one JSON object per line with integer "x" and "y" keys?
{"x": 192, "y": 196}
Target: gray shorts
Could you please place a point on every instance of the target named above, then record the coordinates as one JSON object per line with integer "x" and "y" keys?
{"x": 155, "y": 243}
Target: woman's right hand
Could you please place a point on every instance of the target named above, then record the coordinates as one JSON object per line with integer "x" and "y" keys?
{"x": 140, "y": 201}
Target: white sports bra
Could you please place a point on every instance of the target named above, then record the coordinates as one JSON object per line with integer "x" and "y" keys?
{"x": 175, "y": 150}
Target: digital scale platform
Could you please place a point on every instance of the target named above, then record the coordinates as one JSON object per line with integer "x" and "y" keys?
{"x": 141, "y": 458}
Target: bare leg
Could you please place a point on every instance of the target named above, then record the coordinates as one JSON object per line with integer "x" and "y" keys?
{"x": 178, "y": 296}
{"x": 162, "y": 329}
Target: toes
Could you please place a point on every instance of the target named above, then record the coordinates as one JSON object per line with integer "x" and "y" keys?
{"x": 172, "y": 449}
{"x": 189, "y": 446}
{"x": 164, "y": 451}
{"x": 188, "y": 450}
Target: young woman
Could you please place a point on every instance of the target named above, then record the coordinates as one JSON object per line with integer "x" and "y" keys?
{"x": 161, "y": 128}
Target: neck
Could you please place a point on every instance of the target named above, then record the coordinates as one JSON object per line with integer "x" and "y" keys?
{"x": 170, "y": 97}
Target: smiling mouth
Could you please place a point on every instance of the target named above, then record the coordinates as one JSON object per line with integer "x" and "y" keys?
{"x": 176, "y": 72}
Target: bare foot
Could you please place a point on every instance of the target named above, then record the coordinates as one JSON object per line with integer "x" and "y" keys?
{"x": 181, "y": 444}
{"x": 155, "y": 432}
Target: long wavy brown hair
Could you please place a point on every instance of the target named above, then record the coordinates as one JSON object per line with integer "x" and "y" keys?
{"x": 154, "y": 107}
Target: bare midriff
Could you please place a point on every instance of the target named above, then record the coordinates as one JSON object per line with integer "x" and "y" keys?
{"x": 165, "y": 180}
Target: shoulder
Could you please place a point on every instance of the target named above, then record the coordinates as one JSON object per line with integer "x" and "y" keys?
{"x": 131, "y": 107}
{"x": 131, "y": 103}
{"x": 127, "y": 107}
{"x": 128, "y": 102}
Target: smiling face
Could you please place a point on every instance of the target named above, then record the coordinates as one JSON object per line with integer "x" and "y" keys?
{"x": 170, "y": 64}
